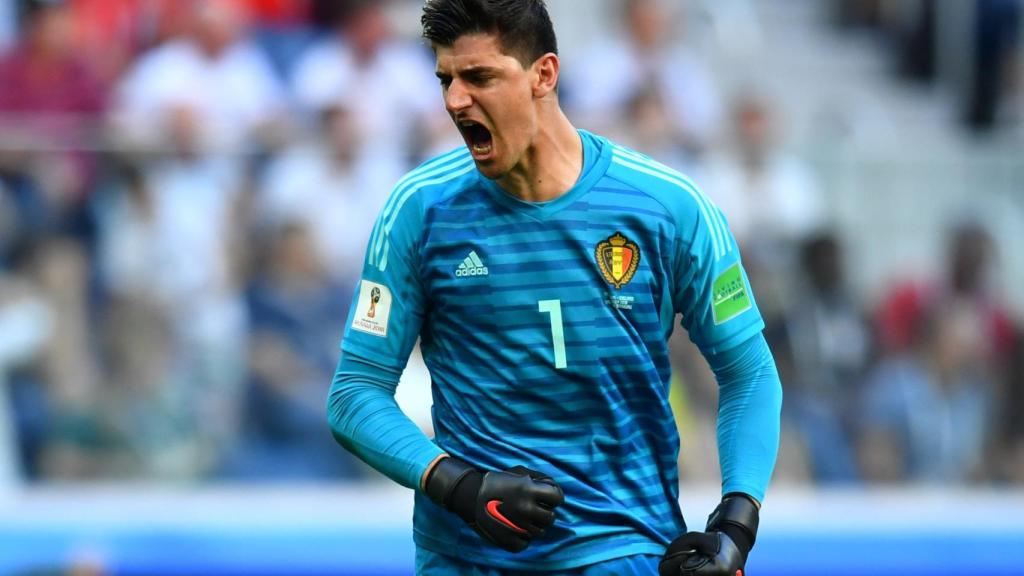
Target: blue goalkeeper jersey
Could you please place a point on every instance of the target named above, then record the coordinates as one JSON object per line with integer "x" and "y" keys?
{"x": 545, "y": 328}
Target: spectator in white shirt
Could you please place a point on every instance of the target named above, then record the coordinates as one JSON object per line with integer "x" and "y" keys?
{"x": 213, "y": 69}
{"x": 387, "y": 82}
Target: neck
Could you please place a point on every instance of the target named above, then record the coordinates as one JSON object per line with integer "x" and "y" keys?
{"x": 550, "y": 166}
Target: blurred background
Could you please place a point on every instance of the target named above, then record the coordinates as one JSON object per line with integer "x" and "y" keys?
{"x": 187, "y": 186}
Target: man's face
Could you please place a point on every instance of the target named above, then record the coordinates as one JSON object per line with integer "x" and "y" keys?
{"x": 491, "y": 100}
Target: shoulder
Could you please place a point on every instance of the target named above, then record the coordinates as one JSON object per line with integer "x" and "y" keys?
{"x": 403, "y": 217}
{"x": 675, "y": 191}
{"x": 432, "y": 182}
{"x": 440, "y": 176}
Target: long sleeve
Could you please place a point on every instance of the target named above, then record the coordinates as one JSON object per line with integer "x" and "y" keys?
{"x": 712, "y": 293}
{"x": 387, "y": 314}
{"x": 749, "y": 406}
{"x": 366, "y": 420}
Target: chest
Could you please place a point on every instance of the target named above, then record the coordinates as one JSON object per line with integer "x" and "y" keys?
{"x": 493, "y": 263}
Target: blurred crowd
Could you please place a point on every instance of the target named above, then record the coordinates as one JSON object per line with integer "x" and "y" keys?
{"x": 187, "y": 186}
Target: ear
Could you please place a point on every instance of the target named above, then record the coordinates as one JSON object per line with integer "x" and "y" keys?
{"x": 545, "y": 70}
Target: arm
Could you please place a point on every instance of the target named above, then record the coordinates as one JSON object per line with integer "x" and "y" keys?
{"x": 713, "y": 294}
{"x": 384, "y": 321}
{"x": 366, "y": 420}
{"x": 749, "y": 405}
{"x": 750, "y": 402}
{"x": 711, "y": 290}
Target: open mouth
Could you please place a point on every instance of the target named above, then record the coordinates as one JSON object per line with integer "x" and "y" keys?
{"x": 477, "y": 137}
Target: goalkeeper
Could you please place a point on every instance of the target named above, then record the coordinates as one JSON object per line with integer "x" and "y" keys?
{"x": 543, "y": 269}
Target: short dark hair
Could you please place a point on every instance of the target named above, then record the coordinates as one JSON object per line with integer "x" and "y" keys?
{"x": 523, "y": 27}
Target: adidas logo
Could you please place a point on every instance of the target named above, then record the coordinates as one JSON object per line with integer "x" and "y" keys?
{"x": 471, "y": 266}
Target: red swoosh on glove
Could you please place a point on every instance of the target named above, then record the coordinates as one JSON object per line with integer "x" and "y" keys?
{"x": 492, "y": 509}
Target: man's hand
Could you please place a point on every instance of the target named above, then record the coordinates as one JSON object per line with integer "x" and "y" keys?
{"x": 508, "y": 508}
{"x": 722, "y": 549}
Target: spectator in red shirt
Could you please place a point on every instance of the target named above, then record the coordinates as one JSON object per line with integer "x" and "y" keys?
{"x": 43, "y": 73}
{"x": 50, "y": 101}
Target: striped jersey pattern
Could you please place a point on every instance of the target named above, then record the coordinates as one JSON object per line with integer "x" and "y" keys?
{"x": 544, "y": 327}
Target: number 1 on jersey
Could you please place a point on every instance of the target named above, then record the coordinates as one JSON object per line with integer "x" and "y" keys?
{"x": 554, "y": 308}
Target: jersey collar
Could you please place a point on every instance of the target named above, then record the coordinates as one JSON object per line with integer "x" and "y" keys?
{"x": 596, "y": 158}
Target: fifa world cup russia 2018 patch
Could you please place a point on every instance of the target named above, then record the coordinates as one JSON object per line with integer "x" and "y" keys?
{"x": 373, "y": 309}
{"x": 617, "y": 258}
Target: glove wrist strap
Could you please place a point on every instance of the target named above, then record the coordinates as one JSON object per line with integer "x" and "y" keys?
{"x": 444, "y": 478}
{"x": 737, "y": 516}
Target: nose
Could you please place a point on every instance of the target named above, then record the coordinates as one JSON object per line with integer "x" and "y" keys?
{"x": 457, "y": 98}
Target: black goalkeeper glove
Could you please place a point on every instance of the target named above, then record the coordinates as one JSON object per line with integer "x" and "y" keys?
{"x": 721, "y": 550}
{"x": 508, "y": 508}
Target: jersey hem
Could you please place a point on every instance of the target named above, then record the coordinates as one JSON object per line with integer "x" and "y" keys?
{"x": 473, "y": 556}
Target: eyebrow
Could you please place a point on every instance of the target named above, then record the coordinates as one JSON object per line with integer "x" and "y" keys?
{"x": 471, "y": 71}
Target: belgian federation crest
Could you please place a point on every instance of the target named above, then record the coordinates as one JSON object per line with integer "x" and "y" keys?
{"x": 618, "y": 258}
